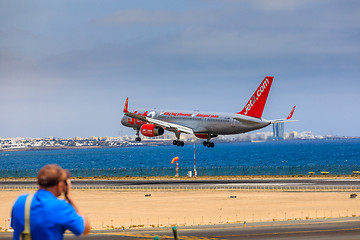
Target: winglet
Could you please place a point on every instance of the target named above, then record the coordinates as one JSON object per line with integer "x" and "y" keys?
{"x": 291, "y": 113}
{"x": 286, "y": 119}
{"x": 126, "y": 105}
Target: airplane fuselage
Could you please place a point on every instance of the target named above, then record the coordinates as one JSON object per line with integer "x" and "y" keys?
{"x": 201, "y": 123}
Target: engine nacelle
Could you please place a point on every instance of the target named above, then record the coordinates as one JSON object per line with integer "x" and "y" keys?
{"x": 150, "y": 130}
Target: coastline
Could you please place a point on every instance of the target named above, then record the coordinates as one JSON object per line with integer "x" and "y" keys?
{"x": 150, "y": 142}
{"x": 24, "y": 149}
{"x": 198, "y": 178}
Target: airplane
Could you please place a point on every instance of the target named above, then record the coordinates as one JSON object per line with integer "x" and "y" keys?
{"x": 152, "y": 123}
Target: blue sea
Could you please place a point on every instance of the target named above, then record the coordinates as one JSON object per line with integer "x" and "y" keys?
{"x": 277, "y": 153}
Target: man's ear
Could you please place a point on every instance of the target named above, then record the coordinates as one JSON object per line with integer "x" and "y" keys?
{"x": 60, "y": 188}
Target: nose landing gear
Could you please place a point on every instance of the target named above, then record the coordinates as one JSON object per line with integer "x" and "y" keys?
{"x": 138, "y": 138}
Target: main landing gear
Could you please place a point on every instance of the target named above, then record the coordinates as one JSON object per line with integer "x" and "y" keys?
{"x": 208, "y": 144}
{"x": 178, "y": 143}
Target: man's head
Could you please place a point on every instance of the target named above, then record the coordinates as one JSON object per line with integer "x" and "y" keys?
{"x": 52, "y": 177}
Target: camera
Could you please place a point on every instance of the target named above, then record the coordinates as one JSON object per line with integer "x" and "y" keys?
{"x": 68, "y": 175}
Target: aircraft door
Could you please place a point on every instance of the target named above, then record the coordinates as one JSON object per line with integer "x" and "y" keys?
{"x": 151, "y": 114}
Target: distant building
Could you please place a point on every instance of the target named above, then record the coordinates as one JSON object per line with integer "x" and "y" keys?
{"x": 293, "y": 135}
{"x": 278, "y": 131}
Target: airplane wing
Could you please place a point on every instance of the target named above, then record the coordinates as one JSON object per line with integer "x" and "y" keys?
{"x": 170, "y": 126}
{"x": 166, "y": 125}
{"x": 286, "y": 119}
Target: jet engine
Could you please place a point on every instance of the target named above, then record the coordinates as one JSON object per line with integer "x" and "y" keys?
{"x": 150, "y": 130}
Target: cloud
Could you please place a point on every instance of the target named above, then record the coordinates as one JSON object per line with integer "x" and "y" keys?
{"x": 138, "y": 16}
{"x": 279, "y": 5}
{"x": 158, "y": 18}
{"x": 238, "y": 30}
{"x": 81, "y": 65}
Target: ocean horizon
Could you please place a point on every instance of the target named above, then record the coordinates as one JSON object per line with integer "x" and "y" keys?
{"x": 271, "y": 153}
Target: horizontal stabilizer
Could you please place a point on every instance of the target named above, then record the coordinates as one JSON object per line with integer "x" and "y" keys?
{"x": 282, "y": 120}
{"x": 245, "y": 122}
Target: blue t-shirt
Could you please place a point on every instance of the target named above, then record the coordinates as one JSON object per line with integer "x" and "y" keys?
{"x": 50, "y": 217}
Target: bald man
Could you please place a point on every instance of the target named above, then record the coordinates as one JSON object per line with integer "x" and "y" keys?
{"x": 50, "y": 216}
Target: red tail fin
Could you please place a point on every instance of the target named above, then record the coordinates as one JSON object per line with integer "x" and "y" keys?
{"x": 255, "y": 106}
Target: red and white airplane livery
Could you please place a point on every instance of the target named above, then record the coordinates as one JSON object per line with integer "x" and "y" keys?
{"x": 152, "y": 123}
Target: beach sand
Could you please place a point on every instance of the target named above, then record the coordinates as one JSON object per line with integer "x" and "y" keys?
{"x": 108, "y": 209}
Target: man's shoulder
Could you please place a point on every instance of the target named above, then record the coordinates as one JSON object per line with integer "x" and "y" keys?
{"x": 21, "y": 200}
{"x": 49, "y": 203}
{"x": 49, "y": 199}
{"x": 61, "y": 204}
{"x": 22, "y": 197}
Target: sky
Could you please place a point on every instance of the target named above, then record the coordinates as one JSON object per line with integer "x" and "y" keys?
{"x": 66, "y": 67}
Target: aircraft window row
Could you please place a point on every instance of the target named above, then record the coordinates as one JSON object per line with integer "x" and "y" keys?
{"x": 196, "y": 118}
{"x": 220, "y": 120}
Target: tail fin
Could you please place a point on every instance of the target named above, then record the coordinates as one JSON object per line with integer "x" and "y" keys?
{"x": 255, "y": 106}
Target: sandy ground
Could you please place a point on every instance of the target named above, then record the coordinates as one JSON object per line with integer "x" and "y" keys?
{"x": 107, "y": 209}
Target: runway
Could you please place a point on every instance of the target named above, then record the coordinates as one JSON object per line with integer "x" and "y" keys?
{"x": 328, "y": 229}
{"x": 291, "y": 183}
{"x": 345, "y": 229}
